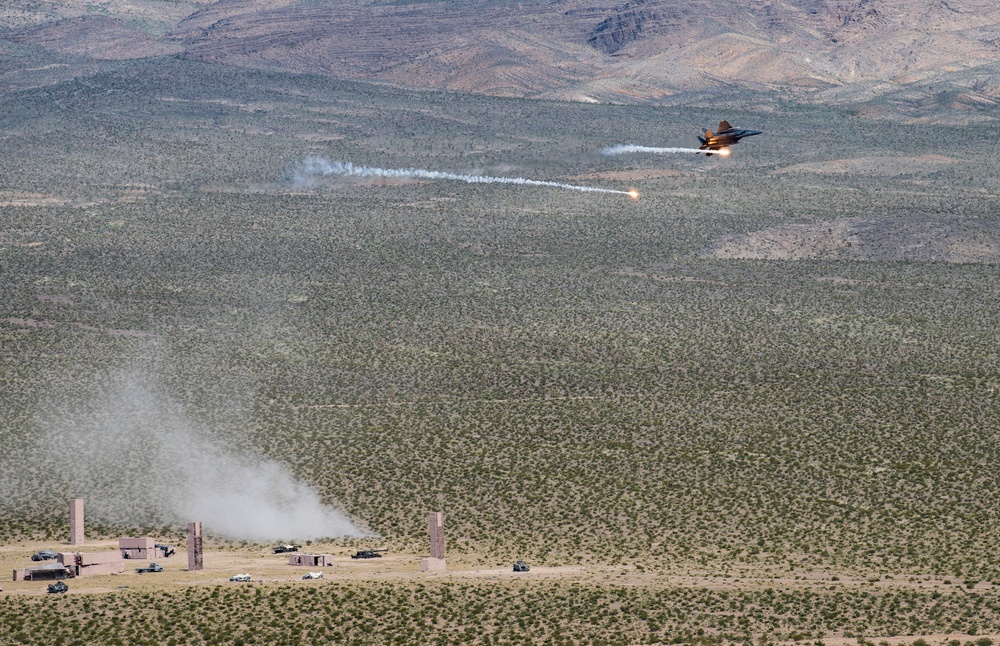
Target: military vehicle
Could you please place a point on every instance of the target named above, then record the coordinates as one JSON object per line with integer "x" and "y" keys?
{"x": 166, "y": 550}
{"x": 240, "y": 577}
{"x": 312, "y": 575}
{"x": 368, "y": 554}
{"x": 281, "y": 549}
{"x": 521, "y": 566}
{"x": 152, "y": 567}
{"x": 44, "y": 555}
{"x": 57, "y": 587}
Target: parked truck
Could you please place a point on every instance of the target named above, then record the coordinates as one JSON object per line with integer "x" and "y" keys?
{"x": 152, "y": 567}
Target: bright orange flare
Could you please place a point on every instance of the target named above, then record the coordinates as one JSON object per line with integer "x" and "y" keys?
{"x": 724, "y": 152}
{"x": 634, "y": 194}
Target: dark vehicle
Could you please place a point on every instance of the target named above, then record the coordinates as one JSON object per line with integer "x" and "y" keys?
{"x": 44, "y": 555}
{"x": 152, "y": 567}
{"x": 281, "y": 549}
{"x": 521, "y": 566}
{"x": 57, "y": 587}
{"x": 725, "y": 137}
{"x": 368, "y": 554}
{"x": 166, "y": 550}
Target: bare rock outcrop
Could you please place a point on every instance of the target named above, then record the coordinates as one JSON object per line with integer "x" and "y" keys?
{"x": 623, "y": 27}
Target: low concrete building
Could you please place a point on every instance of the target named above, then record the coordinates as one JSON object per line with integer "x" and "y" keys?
{"x": 47, "y": 572}
{"x": 92, "y": 563}
{"x": 138, "y": 548}
{"x": 311, "y": 560}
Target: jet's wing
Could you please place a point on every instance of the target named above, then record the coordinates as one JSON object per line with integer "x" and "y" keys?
{"x": 724, "y": 125}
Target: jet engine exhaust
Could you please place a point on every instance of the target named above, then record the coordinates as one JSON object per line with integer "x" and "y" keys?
{"x": 624, "y": 149}
{"x": 320, "y": 166}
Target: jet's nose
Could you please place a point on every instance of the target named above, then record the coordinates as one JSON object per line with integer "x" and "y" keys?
{"x": 748, "y": 133}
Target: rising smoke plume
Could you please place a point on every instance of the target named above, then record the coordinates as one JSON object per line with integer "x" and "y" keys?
{"x": 318, "y": 166}
{"x": 137, "y": 459}
{"x": 624, "y": 149}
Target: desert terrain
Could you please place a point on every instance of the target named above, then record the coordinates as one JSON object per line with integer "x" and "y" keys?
{"x": 884, "y": 59}
{"x": 756, "y": 405}
{"x": 363, "y": 596}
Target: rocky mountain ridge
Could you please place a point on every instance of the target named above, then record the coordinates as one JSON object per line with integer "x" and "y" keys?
{"x": 911, "y": 57}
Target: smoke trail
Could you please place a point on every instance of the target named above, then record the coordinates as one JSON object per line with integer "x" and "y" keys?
{"x": 138, "y": 460}
{"x": 320, "y": 166}
{"x": 624, "y": 149}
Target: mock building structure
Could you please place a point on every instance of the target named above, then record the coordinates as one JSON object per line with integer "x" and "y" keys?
{"x": 47, "y": 572}
{"x": 194, "y": 547}
{"x": 436, "y": 529}
{"x": 432, "y": 565}
{"x": 436, "y": 563}
{"x": 92, "y": 563}
{"x": 138, "y": 548}
{"x": 76, "y": 521}
{"x": 311, "y": 560}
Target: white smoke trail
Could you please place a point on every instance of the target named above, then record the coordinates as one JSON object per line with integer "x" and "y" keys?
{"x": 139, "y": 460}
{"x": 320, "y": 166}
{"x": 624, "y": 149}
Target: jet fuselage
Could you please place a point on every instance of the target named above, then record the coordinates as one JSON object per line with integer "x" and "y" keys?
{"x": 725, "y": 137}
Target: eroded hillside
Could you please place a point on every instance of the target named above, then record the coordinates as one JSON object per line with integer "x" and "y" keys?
{"x": 917, "y": 58}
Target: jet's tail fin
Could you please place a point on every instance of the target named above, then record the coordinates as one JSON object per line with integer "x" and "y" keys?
{"x": 724, "y": 125}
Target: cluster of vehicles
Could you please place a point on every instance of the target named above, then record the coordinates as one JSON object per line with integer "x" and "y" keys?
{"x": 60, "y": 587}
{"x": 285, "y": 548}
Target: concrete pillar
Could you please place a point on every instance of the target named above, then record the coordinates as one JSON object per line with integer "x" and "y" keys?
{"x": 194, "y": 547}
{"x": 432, "y": 565}
{"x": 436, "y": 527}
{"x": 76, "y": 521}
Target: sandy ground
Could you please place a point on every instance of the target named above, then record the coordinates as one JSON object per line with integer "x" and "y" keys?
{"x": 261, "y": 564}
{"x": 876, "y": 165}
{"x": 268, "y": 568}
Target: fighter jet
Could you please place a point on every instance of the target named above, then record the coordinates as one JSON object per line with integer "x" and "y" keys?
{"x": 725, "y": 137}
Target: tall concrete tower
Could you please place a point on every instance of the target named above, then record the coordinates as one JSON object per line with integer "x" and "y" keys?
{"x": 76, "y": 521}
{"x": 436, "y": 525}
{"x": 194, "y": 547}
